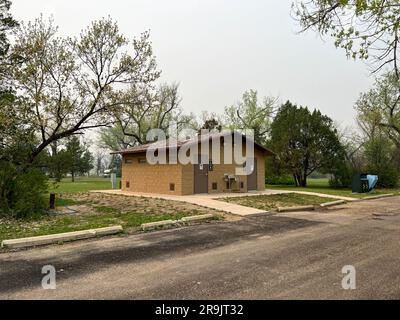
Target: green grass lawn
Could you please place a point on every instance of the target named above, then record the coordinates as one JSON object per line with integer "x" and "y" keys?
{"x": 322, "y": 186}
{"x": 81, "y": 184}
{"x": 13, "y": 229}
{"x": 271, "y": 202}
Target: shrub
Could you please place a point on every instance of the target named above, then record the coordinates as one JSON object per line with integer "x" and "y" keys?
{"x": 275, "y": 174}
{"x": 388, "y": 176}
{"x": 22, "y": 191}
{"x": 379, "y": 153}
{"x": 342, "y": 175}
{"x": 286, "y": 180}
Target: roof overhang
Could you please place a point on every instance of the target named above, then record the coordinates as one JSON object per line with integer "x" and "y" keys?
{"x": 178, "y": 144}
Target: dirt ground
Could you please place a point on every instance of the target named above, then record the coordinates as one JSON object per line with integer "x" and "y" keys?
{"x": 274, "y": 201}
{"x": 82, "y": 211}
{"x": 150, "y": 206}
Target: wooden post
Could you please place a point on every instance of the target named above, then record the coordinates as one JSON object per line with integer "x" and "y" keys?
{"x": 52, "y": 201}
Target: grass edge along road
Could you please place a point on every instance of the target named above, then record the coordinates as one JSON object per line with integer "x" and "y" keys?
{"x": 322, "y": 186}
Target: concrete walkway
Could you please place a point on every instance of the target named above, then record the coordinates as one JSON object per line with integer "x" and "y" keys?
{"x": 200, "y": 200}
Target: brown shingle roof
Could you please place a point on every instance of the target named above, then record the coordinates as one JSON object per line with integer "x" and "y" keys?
{"x": 143, "y": 148}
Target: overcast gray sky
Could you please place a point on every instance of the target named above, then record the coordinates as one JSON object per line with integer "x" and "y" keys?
{"x": 217, "y": 49}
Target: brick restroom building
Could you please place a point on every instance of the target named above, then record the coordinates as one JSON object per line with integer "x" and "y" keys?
{"x": 203, "y": 176}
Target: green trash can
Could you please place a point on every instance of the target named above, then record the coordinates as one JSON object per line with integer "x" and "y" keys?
{"x": 360, "y": 183}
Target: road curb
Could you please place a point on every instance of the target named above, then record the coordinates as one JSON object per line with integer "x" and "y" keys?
{"x": 60, "y": 237}
{"x": 332, "y": 203}
{"x": 159, "y": 224}
{"x": 293, "y": 209}
{"x": 174, "y": 223}
{"x": 379, "y": 196}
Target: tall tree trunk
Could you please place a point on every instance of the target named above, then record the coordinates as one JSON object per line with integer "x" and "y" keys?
{"x": 73, "y": 175}
{"x": 301, "y": 180}
{"x": 304, "y": 175}
{"x": 295, "y": 180}
{"x": 298, "y": 180}
{"x": 304, "y": 179}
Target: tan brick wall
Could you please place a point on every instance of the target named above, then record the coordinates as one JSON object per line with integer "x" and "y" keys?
{"x": 188, "y": 179}
{"x": 260, "y": 170}
{"x": 147, "y": 178}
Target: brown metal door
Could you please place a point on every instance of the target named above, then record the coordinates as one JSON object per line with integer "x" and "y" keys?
{"x": 252, "y": 178}
{"x": 201, "y": 176}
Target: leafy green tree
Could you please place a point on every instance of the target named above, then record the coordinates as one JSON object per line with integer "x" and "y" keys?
{"x": 79, "y": 158}
{"x": 67, "y": 85}
{"x": 304, "y": 142}
{"x": 101, "y": 160}
{"x": 378, "y": 110}
{"x": 342, "y": 174}
{"x": 354, "y": 159}
{"x": 58, "y": 164}
{"x": 378, "y": 116}
{"x": 86, "y": 163}
{"x": 9, "y": 119}
{"x": 250, "y": 114}
{"x": 363, "y": 28}
{"x": 145, "y": 109}
{"x": 7, "y": 24}
{"x": 212, "y": 125}
{"x": 114, "y": 139}
{"x": 21, "y": 186}
{"x": 22, "y": 190}
{"x": 380, "y": 152}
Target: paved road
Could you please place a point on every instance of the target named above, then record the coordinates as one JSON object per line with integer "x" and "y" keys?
{"x": 297, "y": 255}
